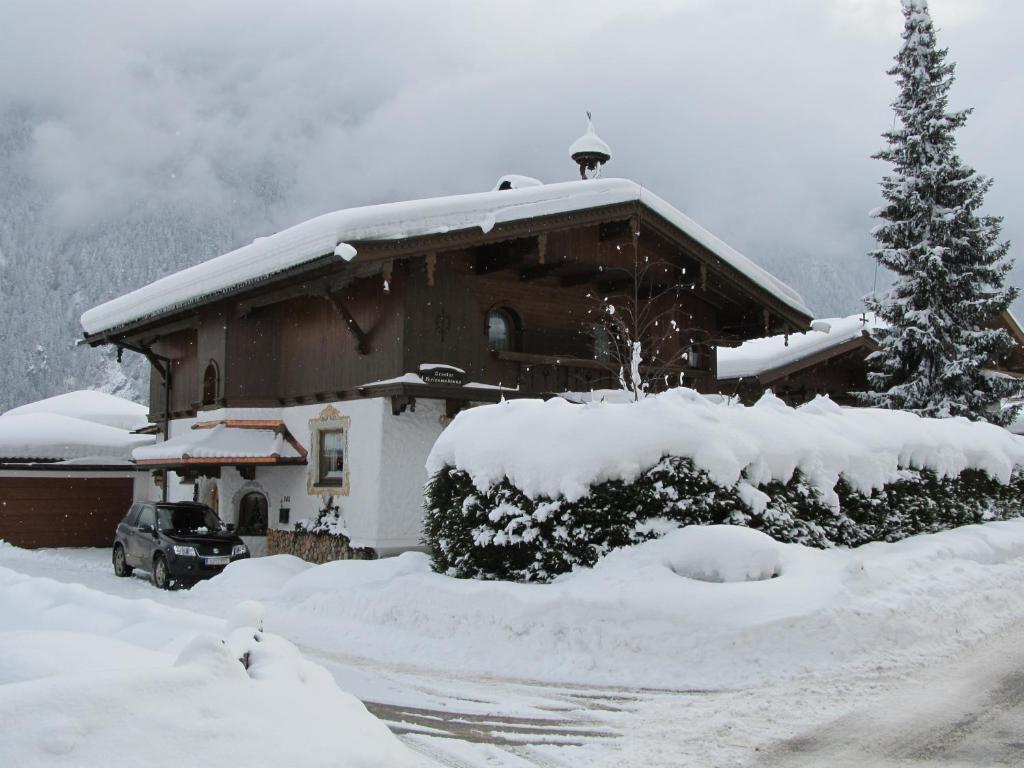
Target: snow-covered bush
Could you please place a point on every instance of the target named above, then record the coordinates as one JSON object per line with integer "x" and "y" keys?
{"x": 529, "y": 490}
{"x": 328, "y": 521}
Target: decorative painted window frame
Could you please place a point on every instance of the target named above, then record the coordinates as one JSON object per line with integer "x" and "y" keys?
{"x": 328, "y": 420}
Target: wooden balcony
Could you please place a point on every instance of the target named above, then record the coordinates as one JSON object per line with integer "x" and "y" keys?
{"x": 552, "y": 374}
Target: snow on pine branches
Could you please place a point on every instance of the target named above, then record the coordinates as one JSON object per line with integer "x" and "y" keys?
{"x": 949, "y": 263}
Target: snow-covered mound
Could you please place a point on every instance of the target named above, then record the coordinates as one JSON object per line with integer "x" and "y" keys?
{"x": 718, "y": 553}
{"x": 88, "y": 405}
{"x": 91, "y": 679}
{"x": 552, "y": 448}
{"x": 634, "y": 620}
{"x": 52, "y": 437}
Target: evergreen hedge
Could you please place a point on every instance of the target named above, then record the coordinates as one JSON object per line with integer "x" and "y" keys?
{"x": 503, "y": 534}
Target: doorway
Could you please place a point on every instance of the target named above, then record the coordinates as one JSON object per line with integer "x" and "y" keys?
{"x": 252, "y": 515}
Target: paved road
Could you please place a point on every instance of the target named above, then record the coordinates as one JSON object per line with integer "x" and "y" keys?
{"x": 967, "y": 713}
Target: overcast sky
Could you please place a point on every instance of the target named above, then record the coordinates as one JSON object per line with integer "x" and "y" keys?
{"x": 755, "y": 117}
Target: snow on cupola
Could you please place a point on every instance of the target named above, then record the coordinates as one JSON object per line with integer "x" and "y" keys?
{"x": 590, "y": 152}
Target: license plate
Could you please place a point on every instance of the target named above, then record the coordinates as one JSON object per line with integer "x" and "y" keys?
{"x": 218, "y": 560}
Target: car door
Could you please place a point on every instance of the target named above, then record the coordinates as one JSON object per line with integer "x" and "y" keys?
{"x": 126, "y": 530}
{"x": 143, "y": 539}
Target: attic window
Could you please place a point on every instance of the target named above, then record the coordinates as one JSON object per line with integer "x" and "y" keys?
{"x": 500, "y": 330}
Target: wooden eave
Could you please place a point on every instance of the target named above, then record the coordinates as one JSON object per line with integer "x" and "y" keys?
{"x": 220, "y": 461}
{"x": 52, "y": 466}
{"x": 717, "y": 265}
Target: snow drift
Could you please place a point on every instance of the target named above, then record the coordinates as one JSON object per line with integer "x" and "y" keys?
{"x": 91, "y": 679}
{"x": 634, "y": 620}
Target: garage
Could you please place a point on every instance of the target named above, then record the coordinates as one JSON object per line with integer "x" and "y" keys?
{"x": 41, "y": 510}
{"x": 66, "y": 475}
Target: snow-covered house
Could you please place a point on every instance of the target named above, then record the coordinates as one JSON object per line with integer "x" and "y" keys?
{"x": 317, "y": 366}
{"x": 66, "y": 470}
{"x": 829, "y": 359}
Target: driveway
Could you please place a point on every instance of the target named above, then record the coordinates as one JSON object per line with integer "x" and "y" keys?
{"x": 969, "y": 712}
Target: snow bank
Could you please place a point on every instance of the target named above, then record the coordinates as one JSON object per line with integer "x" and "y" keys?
{"x": 51, "y": 436}
{"x": 634, "y": 620}
{"x": 552, "y": 448}
{"x": 332, "y": 233}
{"x": 86, "y": 404}
{"x": 77, "y": 689}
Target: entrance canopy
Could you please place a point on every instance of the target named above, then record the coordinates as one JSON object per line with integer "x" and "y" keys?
{"x": 227, "y": 442}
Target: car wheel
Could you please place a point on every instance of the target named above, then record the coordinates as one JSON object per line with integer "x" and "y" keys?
{"x": 161, "y": 574}
{"x": 121, "y": 567}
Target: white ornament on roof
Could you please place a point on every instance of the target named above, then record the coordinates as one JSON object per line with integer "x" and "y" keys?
{"x": 590, "y": 152}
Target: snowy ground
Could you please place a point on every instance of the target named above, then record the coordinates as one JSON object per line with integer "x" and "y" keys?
{"x": 633, "y": 664}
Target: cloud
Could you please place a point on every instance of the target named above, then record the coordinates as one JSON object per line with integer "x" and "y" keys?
{"x": 757, "y": 118}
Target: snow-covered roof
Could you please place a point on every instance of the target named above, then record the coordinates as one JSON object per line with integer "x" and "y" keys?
{"x": 234, "y": 440}
{"x": 55, "y": 437}
{"x": 331, "y": 233}
{"x": 755, "y": 357}
{"x": 589, "y": 142}
{"x": 97, "y": 407}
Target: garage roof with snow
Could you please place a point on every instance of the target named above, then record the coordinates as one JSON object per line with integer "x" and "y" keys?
{"x": 97, "y": 407}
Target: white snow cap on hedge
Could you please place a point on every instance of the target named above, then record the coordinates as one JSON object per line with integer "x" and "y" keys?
{"x": 552, "y": 448}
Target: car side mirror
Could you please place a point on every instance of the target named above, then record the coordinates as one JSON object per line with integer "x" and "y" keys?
{"x": 229, "y": 527}
{"x": 146, "y": 528}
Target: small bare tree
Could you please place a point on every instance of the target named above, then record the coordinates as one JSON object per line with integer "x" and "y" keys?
{"x": 640, "y": 328}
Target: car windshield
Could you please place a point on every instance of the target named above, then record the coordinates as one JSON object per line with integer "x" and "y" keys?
{"x": 188, "y": 519}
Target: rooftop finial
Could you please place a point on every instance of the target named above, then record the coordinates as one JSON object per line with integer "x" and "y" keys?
{"x": 590, "y": 152}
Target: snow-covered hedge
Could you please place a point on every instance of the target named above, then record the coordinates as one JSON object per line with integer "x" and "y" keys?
{"x": 527, "y": 490}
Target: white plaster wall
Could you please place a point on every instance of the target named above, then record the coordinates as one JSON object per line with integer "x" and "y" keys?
{"x": 407, "y": 440}
{"x": 289, "y": 486}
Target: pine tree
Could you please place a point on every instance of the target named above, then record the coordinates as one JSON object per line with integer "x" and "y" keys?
{"x": 949, "y": 263}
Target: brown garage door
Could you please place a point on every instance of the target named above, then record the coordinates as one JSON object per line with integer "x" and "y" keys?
{"x": 62, "y": 512}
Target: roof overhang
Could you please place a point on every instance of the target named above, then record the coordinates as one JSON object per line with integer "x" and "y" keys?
{"x": 226, "y": 443}
{"x": 371, "y": 254}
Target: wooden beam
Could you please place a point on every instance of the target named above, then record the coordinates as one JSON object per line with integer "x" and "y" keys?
{"x": 362, "y": 340}
{"x": 431, "y": 266}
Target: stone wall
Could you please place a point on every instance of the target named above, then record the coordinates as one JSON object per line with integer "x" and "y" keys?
{"x": 315, "y": 547}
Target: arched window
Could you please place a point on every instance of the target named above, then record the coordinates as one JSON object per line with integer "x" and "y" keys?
{"x": 501, "y": 330}
{"x": 211, "y": 384}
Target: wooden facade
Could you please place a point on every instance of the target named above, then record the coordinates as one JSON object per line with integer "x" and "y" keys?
{"x": 324, "y": 332}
